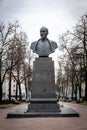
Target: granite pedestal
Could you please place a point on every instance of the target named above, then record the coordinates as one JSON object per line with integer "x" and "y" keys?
{"x": 43, "y": 102}
{"x": 43, "y": 79}
{"x": 43, "y": 97}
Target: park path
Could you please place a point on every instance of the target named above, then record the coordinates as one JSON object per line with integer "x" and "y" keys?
{"x": 73, "y": 123}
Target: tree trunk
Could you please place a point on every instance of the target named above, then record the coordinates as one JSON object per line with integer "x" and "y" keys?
{"x": 0, "y": 92}
{"x": 67, "y": 85}
{"x": 80, "y": 91}
{"x": 72, "y": 89}
{"x": 20, "y": 96}
{"x": 75, "y": 92}
{"x": 18, "y": 87}
{"x": 86, "y": 77}
{"x": 16, "y": 94}
{"x": 26, "y": 89}
{"x": 10, "y": 85}
{"x": 0, "y": 82}
{"x": 86, "y": 88}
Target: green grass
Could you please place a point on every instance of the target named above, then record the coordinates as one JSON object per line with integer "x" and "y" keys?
{"x": 73, "y": 101}
{"x": 6, "y": 105}
{"x": 84, "y": 103}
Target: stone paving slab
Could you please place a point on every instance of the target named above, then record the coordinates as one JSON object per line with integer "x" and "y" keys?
{"x": 75, "y": 123}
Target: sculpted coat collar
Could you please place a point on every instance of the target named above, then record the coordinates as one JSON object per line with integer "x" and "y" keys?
{"x": 38, "y": 42}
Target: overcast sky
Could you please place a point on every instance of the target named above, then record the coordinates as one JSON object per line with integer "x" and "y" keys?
{"x": 58, "y": 15}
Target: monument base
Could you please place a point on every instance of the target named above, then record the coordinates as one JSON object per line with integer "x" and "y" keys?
{"x": 43, "y": 105}
{"x": 23, "y": 113}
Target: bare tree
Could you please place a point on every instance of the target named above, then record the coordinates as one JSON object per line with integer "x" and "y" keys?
{"x": 72, "y": 67}
{"x": 12, "y": 55}
{"x": 74, "y": 45}
{"x": 80, "y": 35}
{"x": 6, "y": 37}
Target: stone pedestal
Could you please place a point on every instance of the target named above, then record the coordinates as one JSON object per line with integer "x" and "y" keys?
{"x": 43, "y": 79}
{"x": 43, "y": 97}
{"x": 43, "y": 102}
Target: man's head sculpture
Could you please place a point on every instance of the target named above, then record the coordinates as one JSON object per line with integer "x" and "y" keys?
{"x": 43, "y": 33}
{"x": 43, "y": 47}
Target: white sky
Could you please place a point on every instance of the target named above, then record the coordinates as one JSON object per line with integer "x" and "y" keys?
{"x": 57, "y": 15}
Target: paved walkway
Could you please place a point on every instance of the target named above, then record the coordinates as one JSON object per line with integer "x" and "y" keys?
{"x": 73, "y": 123}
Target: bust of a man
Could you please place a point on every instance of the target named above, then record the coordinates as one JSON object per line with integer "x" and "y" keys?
{"x": 43, "y": 47}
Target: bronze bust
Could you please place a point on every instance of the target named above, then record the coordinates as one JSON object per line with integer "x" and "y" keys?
{"x": 43, "y": 47}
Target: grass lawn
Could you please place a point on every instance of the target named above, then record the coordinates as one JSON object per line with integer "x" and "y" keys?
{"x": 9, "y": 104}
{"x": 6, "y": 105}
{"x": 83, "y": 103}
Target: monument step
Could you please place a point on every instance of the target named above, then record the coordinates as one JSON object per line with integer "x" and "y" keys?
{"x": 65, "y": 112}
{"x": 44, "y": 107}
{"x": 43, "y": 100}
